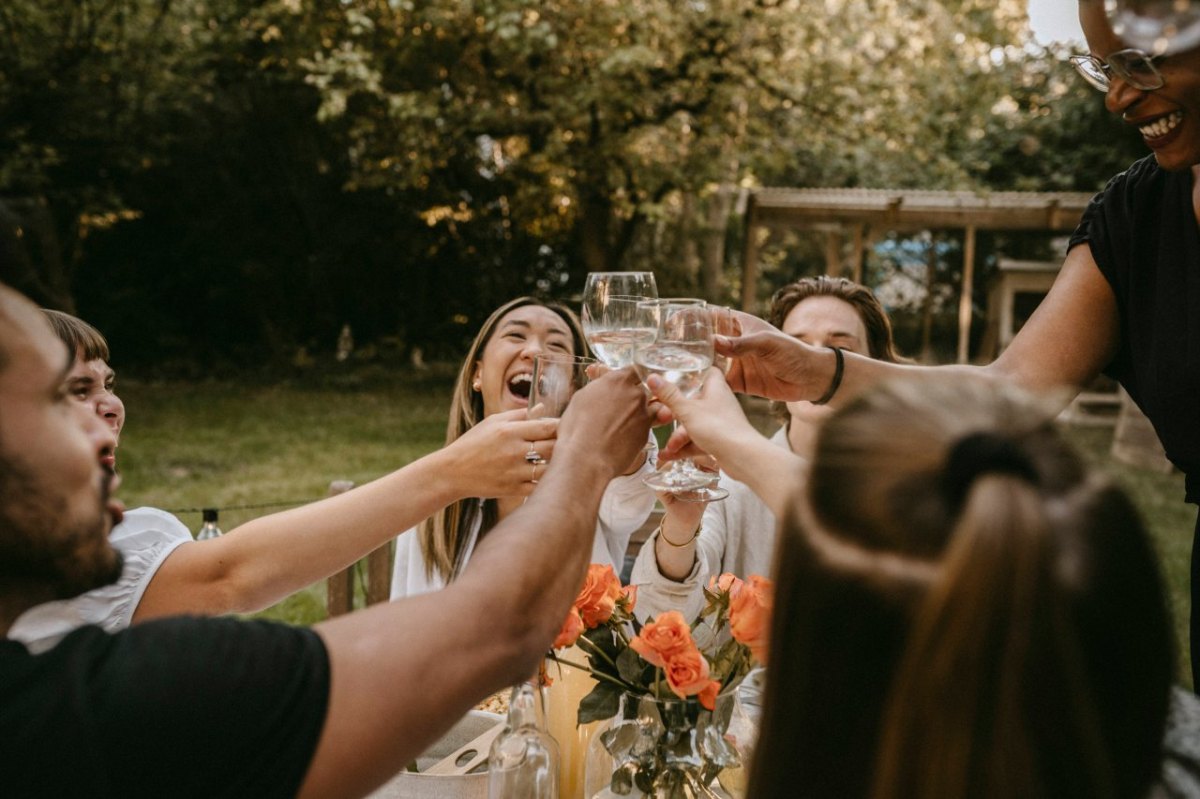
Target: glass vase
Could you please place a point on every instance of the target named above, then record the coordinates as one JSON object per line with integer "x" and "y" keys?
{"x": 661, "y": 748}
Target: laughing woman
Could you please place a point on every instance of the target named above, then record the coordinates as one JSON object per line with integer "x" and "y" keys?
{"x": 493, "y": 389}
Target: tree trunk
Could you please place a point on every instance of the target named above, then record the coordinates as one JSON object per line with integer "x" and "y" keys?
{"x": 712, "y": 244}
{"x": 595, "y": 218}
{"x": 30, "y": 256}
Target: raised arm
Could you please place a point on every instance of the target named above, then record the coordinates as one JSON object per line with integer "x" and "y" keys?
{"x": 269, "y": 558}
{"x": 1071, "y": 337}
{"x": 403, "y": 672}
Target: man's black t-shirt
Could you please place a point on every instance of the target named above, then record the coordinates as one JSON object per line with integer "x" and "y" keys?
{"x": 172, "y": 708}
{"x": 1143, "y": 235}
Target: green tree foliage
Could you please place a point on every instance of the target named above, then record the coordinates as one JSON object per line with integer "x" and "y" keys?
{"x": 594, "y": 122}
{"x": 235, "y": 178}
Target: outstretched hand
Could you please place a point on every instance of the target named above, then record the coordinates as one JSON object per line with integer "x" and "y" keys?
{"x": 491, "y": 457}
{"x": 713, "y": 418}
{"x": 768, "y": 363}
{"x": 610, "y": 418}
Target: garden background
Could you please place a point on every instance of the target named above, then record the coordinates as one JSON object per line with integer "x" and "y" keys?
{"x": 224, "y": 186}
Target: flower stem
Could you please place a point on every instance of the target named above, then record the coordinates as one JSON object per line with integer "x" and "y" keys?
{"x": 599, "y": 675}
{"x": 598, "y": 651}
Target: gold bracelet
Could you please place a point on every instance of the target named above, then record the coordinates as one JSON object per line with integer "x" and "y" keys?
{"x": 671, "y": 543}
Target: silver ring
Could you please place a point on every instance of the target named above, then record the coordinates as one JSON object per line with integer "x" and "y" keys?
{"x": 532, "y": 455}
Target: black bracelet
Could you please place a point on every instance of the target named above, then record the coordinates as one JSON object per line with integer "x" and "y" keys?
{"x": 837, "y": 377}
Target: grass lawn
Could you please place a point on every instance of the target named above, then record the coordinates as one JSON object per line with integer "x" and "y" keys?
{"x": 222, "y": 444}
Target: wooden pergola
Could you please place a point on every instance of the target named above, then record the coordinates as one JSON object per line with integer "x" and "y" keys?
{"x": 865, "y": 213}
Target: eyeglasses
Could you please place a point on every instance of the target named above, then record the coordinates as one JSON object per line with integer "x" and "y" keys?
{"x": 1132, "y": 66}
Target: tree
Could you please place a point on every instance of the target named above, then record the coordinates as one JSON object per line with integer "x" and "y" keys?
{"x": 595, "y": 122}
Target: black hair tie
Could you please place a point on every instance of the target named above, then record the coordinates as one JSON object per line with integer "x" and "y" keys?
{"x": 982, "y": 453}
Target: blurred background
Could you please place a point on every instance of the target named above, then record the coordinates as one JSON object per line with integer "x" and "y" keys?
{"x": 222, "y": 184}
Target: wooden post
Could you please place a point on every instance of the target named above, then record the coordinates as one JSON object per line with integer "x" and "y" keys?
{"x": 964, "y": 300}
{"x": 750, "y": 258}
{"x": 856, "y": 265}
{"x": 339, "y": 587}
{"x": 833, "y": 253}
{"x": 379, "y": 574}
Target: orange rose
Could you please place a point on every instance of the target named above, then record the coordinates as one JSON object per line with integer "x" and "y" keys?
{"x": 571, "y": 630}
{"x": 598, "y": 597}
{"x": 662, "y": 638}
{"x": 628, "y": 599}
{"x": 750, "y": 615}
{"x": 687, "y": 675}
{"x": 728, "y": 583}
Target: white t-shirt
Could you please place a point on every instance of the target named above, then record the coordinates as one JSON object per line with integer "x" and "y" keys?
{"x": 145, "y": 537}
{"x": 626, "y": 504}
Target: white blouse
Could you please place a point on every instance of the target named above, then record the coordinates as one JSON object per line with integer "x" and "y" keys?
{"x": 737, "y": 535}
{"x": 145, "y": 537}
{"x": 625, "y": 506}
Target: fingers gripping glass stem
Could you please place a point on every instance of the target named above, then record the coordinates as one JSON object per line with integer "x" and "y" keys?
{"x": 680, "y": 354}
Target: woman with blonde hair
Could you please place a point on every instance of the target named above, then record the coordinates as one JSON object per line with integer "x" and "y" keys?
{"x": 962, "y": 607}
{"x": 493, "y": 389}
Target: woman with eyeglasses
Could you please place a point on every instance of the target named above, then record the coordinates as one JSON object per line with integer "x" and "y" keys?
{"x": 1126, "y": 301}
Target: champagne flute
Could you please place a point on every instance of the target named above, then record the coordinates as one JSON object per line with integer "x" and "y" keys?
{"x": 611, "y": 319}
{"x": 681, "y": 354}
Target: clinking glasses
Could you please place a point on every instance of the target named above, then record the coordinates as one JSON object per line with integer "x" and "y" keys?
{"x": 1132, "y": 66}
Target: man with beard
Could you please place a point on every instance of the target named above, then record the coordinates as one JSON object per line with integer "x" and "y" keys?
{"x": 259, "y": 563}
{"x": 279, "y": 711}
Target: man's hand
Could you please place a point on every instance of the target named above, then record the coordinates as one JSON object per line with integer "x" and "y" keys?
{"x": 608, "y": 417}
{"x": 770, "y": 364}
{"x": 713, "y": 418}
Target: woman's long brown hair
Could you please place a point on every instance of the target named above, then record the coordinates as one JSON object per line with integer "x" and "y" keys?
{"x": 444, "y": 535}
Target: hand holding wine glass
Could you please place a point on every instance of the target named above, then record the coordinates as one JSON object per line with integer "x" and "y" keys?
{"x": 681, "y": 354}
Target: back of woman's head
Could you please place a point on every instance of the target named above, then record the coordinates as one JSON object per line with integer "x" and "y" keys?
{"x": 962, "y": 609}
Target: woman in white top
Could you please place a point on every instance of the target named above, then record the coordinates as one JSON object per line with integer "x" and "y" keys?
{"x": 694, "y": 542}
{"x": 493, "y": 385}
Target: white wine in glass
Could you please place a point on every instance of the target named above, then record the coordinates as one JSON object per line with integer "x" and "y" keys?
{"x": 681, "y": 354}
{"x": 612, "y": 322}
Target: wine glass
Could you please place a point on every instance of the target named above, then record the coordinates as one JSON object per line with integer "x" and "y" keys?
{"x": 556, "y": 378}
{"x": 724, "y": 324}
{"x": 1157, "y": 27}
{"x": 612, "y": 322}
{"x": 681, "y": 353}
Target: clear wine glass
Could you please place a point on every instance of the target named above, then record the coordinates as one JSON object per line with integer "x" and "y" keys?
{"x": 1157, "y": 27}
{"x": 612, "y": 323}
{"x": 681, "y": 353}
{"x": 556, "y": 378}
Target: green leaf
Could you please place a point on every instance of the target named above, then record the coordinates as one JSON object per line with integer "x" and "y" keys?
{"x": 602, "y": 703}
{"x": 631, "y": 667}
